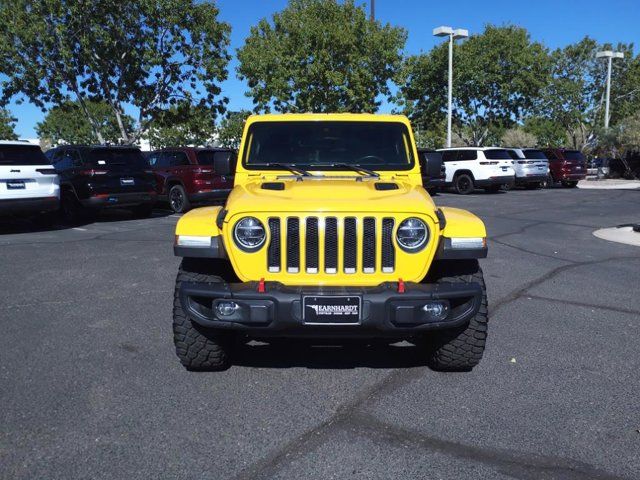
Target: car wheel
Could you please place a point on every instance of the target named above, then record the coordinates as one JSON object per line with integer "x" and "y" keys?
{"x": 547, "y": 182}
{"x": 460, "y": 348}
{"x": 178, "y": 199}
{"x": 198, "y": 347}
{"x": 463, "y": 184}
{"x": 71, "y": 210}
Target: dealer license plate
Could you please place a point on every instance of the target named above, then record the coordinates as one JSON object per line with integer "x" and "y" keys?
{"x": 332, "y": 310}
{"x": 15, "y": 185}
{"x": 127, "y": 181}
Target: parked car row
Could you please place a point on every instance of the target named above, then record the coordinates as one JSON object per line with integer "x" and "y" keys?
{"x": 80, "y": 180}
{"x": 492, "y": 168}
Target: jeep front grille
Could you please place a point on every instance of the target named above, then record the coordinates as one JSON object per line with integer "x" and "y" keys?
{"x": 366, "y": 238}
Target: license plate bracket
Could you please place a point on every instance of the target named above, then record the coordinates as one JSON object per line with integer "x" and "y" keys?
{"x": 331, "y": 309}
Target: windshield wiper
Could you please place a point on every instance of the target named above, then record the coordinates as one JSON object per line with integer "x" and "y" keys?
{"x": 292, "y": 168}
{"x": 357, "y": 168}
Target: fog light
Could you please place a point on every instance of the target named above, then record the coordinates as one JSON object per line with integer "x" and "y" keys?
{"x": 226, "y": 309}
{"x": 437, "y": 311}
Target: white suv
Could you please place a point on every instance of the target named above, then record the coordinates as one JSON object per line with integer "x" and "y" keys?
{"x": 531, "y": 167}
{"x": 28, "y": 182}
{"x": 471, "y": 167}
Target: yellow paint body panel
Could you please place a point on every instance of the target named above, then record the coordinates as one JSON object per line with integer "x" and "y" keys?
{"x": 461, "y": 223}
{"x": 341, "y": 196}
{"x": 200, "y": 221}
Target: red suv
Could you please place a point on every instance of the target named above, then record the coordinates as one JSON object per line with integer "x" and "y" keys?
{"x": 566, "y": 166}
{"x": 187, "y": 176}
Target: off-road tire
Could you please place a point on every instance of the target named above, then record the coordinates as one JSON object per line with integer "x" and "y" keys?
{"x": 463, "y": 184}
{"x": 178, "y": 199}
{"x": 198, "y": 348}
{"x": 461, "y": 348}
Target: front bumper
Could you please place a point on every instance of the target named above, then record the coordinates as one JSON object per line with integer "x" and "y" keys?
{"x": 272, "y": 309}
{"x": 131, "y": 199}
{"x": 29, "y": 205}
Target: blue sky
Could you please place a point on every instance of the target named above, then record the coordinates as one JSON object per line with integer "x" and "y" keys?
{"x": 553, "y": 22}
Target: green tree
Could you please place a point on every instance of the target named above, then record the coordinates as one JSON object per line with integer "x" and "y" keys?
{"x": 320, "y": 56}
{"x": 497, "y": 79}
{"x": 548, "y": 132}
{"x": 67, "y": 124}
{"x": 231, "y": 128}
{"x": 183, "y": 125}
{"x": 149, "y": 54}
{"x": 7, "y": 125}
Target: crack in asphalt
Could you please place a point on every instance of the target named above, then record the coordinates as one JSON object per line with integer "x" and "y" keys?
{"x": 584, "y": 304}
{"x": 516, "y": 464}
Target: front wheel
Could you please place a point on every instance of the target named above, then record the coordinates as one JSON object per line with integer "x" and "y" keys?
{"x": 198, "y": 347}
{"x": 463, "y": 184}
{"x": 461, "y": 348}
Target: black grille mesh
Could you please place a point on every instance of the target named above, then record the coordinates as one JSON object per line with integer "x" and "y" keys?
{"x": 311, "y": 245}
{"x": 331, "y": 245}
{"x": 350, "y": 245}
{"x": 369, "y": 245}
{"x": 388, "y": 252}
{"x": 273, "y": 252}
{"x": 293, "y": 245}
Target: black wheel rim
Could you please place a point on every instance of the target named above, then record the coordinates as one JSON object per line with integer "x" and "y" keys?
{"x": 177, "y": 200}
{"x": 464, "y": 184}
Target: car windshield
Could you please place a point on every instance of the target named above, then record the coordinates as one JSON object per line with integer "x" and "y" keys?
{"x": 534, "y": 155}
{"x": 497, "y": 154}
{"x": 114, "y": 157}
{"x": 573, "y": 155}
{"x": 322, "y": 145}
{"x": 22, "y": 155}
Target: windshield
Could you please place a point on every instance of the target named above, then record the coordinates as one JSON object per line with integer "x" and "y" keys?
{"x": 497, "y": 154}
{"x": 325, "y": 145}
{"x": 22, "y": 155}
{"x": 573, "y": 155}
{"x": 534, "y": 155}
{"x": 111, "y": 157}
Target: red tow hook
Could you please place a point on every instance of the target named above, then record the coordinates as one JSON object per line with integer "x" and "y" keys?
{"x": 400, "y": 286}
{"x": 261, "y": 287}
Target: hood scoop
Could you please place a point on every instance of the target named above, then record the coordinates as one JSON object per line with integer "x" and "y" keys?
{"x": 272, "y": 186}
{"x": 383, "y": 186}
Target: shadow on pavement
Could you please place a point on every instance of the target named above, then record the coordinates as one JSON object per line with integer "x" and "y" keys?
{"x": 338, "y": 355}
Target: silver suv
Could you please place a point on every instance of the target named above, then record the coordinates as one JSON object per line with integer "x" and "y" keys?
{"x": 531, "y": 167}
{"x": 28, "y": 182}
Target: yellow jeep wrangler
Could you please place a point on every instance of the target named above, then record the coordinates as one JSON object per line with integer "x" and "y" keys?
{"x": 328, "y": 233}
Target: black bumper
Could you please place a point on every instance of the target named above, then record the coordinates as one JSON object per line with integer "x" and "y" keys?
{"x": 494, "y": 181}
{"x": 119, "y": 200}
{"x": 29, "y": 205}
{"x": 278, "y": 310}
{"x": 530, "y": 179}
{"x": 203, "y": 197}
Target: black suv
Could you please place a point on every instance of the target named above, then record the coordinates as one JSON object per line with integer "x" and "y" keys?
{"x": 432, "y": 168}
{"x": 97, "y": 177}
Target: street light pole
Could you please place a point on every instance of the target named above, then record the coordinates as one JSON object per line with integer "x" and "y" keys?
{"x": 609, "y": 55}
{"x": 373, "y": 10}
{"x": 444, "y": 31}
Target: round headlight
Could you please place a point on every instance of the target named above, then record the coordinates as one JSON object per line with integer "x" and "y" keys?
{"x": 412, "y": 234}
{"x": 249, "y": 234}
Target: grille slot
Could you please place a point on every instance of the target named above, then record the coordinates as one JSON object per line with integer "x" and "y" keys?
{"x": 273, "y": 252}
{"x": 350, "y": 245}
{"x": 388, "y": 251}
{"x": 331, "y": 245}
{"x": 369, "y": 245}
{"x": 293, "y": 245}
{"x": 311, "y": 245}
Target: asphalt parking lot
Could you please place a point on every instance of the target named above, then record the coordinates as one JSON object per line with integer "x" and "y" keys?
{"x": 90, "y": 386}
